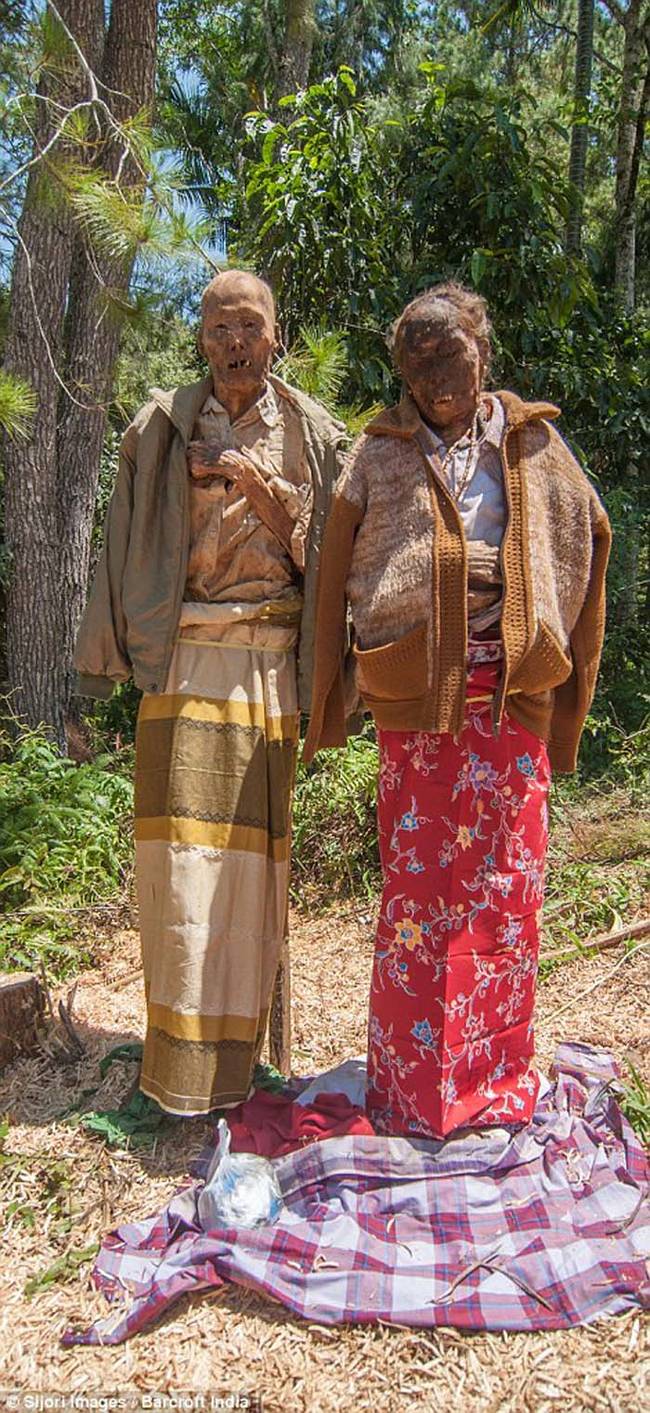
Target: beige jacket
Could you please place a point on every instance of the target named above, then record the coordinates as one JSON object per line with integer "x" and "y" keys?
{"x": 395, "y": 552}
{"x": 131, "y": 620}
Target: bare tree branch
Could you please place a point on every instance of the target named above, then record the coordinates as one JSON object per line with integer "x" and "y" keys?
{"x": 38, "y": 156}
{"x": 46, "y": 343}
{"x": 556, "y": 27}
{"x": 616, "y": 11}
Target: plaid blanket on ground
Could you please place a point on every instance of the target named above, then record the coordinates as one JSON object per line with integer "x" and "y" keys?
{"x": 540, "y": 1229}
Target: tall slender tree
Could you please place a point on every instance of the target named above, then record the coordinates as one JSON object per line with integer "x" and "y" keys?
{"x": 295, "y": 56}
{"x": 63, "y": 337}
{"x": 580, "y": 124}
{"x": 632, "y": 118}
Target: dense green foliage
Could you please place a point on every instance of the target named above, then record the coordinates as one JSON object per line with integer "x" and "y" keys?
{"x": 64, "y": 845}
{"x": 334, "y": 846}
{"x": 466, "y": 185}
{"x": 314, "y": 218}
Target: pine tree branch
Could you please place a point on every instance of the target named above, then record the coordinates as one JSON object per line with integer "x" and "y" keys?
{"x": 38, "y": 156}
{"x": 113, "y": 131}
{"x": 85, "y": 66}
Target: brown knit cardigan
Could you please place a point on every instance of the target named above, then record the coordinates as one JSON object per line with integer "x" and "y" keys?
{"x": 395, "y": 553}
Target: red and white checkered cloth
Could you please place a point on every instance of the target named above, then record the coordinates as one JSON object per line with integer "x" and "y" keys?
{"x": 540, "y": 1229}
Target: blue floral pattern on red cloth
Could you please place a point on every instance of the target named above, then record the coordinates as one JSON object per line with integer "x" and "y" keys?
{"x": 463, "y": 834}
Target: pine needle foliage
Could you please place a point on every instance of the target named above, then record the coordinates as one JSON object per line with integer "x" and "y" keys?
{"x": 123, "y": 192}
{"x": 17, "y": 405}
{"x": 317, "y": 364}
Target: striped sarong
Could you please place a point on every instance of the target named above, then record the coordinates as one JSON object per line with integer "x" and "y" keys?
{"x": 215, "y": 764}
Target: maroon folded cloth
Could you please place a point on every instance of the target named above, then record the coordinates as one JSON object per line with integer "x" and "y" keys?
{"x": 271, "y": 1124}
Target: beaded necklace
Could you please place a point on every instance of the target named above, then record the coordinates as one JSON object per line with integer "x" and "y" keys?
{"x": 476, "y": 436}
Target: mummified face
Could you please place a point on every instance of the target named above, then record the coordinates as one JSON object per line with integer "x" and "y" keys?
{"x": 238, "y": 334}
{"x": 441, "y": 366}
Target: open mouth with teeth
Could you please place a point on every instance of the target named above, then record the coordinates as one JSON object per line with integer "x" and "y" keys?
{"x": 237, "y": 363}
{"x": 445, "y": 397}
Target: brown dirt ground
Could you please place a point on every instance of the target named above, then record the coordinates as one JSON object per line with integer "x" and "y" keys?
{"x": 233, "y": 1341}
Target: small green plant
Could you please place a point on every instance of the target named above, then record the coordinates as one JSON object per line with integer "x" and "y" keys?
{"x": 635, "y": 1103}
{"x": 63, "y": 1269}
{"x": 335, "y": 851}
{"x": 35, "y": 1191}
{"x": 65, "y": 844}
{"x": 609, "y": 748}
{"x": 598, "y": 872}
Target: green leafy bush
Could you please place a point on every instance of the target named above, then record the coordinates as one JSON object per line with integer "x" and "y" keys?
{"x": 65, "y": 843}
{"x": 335, "y": 851}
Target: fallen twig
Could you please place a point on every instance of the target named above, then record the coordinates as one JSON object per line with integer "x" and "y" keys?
{"x": 599, "y": 982}
{"x": 47, "y": 910}
{"x": 128, "y": 979}
{"x": 606, "y": 939}
{"x": 489, "y": 1263}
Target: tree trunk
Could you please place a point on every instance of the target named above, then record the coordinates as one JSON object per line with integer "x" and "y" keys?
{"x": 39, "y": 294}
{"x": 59, "y": 295}
{"x": 635, "y": 98}
{"x": 295, "y": 59}
{"x": 92, "y": 331}
{"x": 580, "y": 125}
{"x": 22, "y": 1006}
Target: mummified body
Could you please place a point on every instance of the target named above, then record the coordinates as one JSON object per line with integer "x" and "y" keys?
{"x": 205, "y": 586}
{"x": 471, "y": 550}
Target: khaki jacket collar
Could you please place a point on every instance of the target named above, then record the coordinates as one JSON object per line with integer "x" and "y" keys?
{"x": 403, "y": 420}
{"x": 183, "y": 405}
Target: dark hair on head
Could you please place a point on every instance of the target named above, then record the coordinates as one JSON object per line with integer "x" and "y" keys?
{"x": 453, "y": 306}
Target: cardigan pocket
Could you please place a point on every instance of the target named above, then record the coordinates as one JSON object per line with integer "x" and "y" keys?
{"x": 396, "y": 672}
{"x": 545, "y": 665}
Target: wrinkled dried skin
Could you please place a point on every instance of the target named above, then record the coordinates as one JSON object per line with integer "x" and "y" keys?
{"x": 441, "y": 366}
{"x": 238, "y": 337}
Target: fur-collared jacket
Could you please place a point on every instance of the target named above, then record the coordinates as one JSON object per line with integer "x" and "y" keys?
{"x": 396, "y": 554}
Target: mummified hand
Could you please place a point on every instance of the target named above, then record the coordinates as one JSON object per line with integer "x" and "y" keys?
{"x": 207, "y": 461}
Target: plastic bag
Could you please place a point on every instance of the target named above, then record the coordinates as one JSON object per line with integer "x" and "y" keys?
{"x": 241, "y": 1189}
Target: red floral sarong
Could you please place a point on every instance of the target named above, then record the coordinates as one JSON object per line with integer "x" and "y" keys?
{"x": 463, "y": 834}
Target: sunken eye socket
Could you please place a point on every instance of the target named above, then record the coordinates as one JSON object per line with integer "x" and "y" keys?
{"x": 443, "y": 349}
{"x": 224, "y": 330}
{"x": 421, "y": 361}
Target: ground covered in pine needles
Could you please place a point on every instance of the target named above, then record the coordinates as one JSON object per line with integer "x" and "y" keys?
{"x": 62, "y": 1187}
